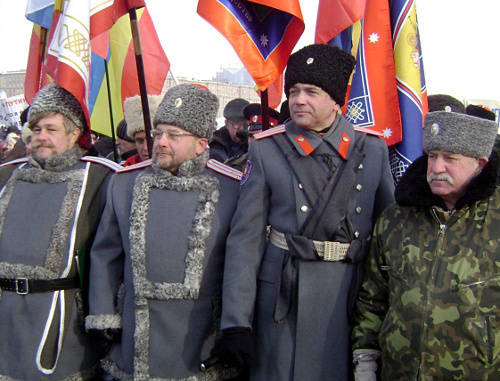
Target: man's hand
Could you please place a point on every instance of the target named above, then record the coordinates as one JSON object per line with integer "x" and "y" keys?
{"x": 366, "y": 366}
{"x": 234, "y": 348}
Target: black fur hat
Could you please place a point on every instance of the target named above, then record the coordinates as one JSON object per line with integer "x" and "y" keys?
{"x": 444, "y": 102}
{"x": 325, "y": 66}
{"x": 480, "y": 112}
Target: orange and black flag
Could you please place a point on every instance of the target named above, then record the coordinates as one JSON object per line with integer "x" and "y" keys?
{"x": 263, "y": 33}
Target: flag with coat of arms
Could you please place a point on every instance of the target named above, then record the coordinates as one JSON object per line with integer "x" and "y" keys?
{"x": 67, "y": 57}
{"x": 387, "y": 93}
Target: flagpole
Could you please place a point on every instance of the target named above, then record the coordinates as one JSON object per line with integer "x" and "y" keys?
{"x": 264, "y": 101}
{"x": 134, "y": 25}
{"x": 176, "y": 81}
{"x": 115, "y": 153}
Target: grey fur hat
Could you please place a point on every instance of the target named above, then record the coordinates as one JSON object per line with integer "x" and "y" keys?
{"x": 459, "y": 133}
{"x": 54, "y": 98}
{"x": 327, "y": 67}
{"x": 190, "y": 107}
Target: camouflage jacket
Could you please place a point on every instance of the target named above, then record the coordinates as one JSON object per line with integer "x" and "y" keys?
{"x": 430, "y": 299}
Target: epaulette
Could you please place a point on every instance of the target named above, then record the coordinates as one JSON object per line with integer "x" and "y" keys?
{"x": 15, "y": 161}
{"x": 133, "y": 167}
{"x": 103, "y": 161}
{"x": 224, "y": 169}
{"x": 270, "y": 132}
{"x": 368, "y": 131}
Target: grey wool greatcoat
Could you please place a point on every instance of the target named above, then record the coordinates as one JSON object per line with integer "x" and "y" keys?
{"x": 47, "y": 216}
{"x": 296, "y": 304}
{"x": 157, "y": 267}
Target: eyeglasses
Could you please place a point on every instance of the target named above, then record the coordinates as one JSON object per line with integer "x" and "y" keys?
{"x": 170, "y": 135}
{"x": 237, "y": 125}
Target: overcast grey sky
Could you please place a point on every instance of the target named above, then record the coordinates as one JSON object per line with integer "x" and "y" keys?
{"x": 460, "y": 42}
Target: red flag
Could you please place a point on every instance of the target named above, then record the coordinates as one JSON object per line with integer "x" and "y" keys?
{"x": 103, "y": 16}
{"x": 336, "y": 15}
{"x": 262, "y": 32}
{"x": 32, "y": 79}
{"x": 373, "y": 85}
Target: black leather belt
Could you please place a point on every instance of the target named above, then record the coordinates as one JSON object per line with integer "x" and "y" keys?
{"x": 25, "y": 286}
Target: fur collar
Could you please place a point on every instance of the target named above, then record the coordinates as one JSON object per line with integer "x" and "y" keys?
{"x": 413, "y": 189}
{"x": 59, "y": 162}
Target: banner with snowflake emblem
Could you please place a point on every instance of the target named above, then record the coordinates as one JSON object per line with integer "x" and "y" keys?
{"x": 263, "y": 33}
{"x": 372, "y": 99}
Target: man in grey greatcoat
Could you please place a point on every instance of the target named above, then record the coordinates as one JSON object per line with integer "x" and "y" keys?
{"x": 157, "y": 262}
{"x": 50, "y": 205}
{"x": 311, "y": 191}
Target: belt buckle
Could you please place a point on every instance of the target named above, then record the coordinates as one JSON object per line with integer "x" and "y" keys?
{"x": 22, "y": 287}
{"x": 332, "y": 252}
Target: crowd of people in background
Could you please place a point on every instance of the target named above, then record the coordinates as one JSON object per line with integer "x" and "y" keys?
{"x": 246, "y": 253}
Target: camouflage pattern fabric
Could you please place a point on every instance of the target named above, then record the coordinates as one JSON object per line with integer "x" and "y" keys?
{"x": 430, "y": 299}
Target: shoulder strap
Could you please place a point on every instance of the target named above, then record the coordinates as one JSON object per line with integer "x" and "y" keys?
{"x": 103, "y": 161}
{"x": 224, "y": 169}
{"x": 133, "y": 167}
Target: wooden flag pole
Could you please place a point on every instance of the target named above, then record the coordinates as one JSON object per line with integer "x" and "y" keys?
{"x": 113, "y": 136}
{"x": 134, "y": 25}
{"x": 264, "y": 102}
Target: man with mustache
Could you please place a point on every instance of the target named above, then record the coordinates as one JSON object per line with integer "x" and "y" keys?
{"x": 50, "y": 205}
{"x": 430, "y": 300}
{"x": 157, "y": 261}
{"x": 318, "y": 184}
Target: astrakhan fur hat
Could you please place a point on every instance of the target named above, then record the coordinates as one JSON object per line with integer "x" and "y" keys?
{"x": 190, "y": 107}
{"x": 459, "y": 133}
{"x": 325, "y": 66}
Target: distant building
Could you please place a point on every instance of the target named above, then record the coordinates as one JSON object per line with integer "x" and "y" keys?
{"x": 225, "y": 92}
{"x": 12, "y": 82}
{"x": 234, "y": 76}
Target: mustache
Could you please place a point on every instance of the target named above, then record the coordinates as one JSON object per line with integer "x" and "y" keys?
{"x": 42, "y": 144}
{"x": 163, "y": 150}
{"x": 443, "y": 176}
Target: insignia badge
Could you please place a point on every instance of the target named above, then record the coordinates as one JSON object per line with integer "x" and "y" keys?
{"x": 435, "y": 129}
{"x": 310, "y": 60}
{"x": 448, "y": 109}
{"x": 246, "y": 172}
{"x": 178, "y": 102}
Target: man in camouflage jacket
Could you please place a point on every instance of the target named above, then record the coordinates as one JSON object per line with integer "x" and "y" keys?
{"x": 429, "y": 305}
